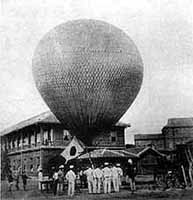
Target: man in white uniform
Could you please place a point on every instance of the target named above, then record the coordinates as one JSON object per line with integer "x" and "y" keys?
{"x": 55, "y": 182}
{"x": 94, "y": 181}
{"x": 71, "y": 177}
{"x": 115, "y": 178}
{"x": 40, "y": 178}
{"x": 90, "y": 179}
{"x": 99, "y": 175}
{"x": 120, "y": 173}
{"x": 107, "y": 178}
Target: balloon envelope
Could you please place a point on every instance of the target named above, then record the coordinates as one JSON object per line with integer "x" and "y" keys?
{"x": 88, "y": 72}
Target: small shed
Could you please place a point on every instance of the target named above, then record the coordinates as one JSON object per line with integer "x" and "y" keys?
{"x": 150, "y": 160}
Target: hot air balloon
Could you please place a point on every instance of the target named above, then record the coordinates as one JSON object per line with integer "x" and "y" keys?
{"x": 88, "y": 72}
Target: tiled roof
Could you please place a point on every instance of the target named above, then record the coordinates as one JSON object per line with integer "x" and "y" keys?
{"x": 127, "y": 153}
{"x": 180, "y": 122}
{"x": 46, "y": 117}
{"x": 139, "y": 151}
{"x": 148, "y": 136}
{"x": 107, "y": 153}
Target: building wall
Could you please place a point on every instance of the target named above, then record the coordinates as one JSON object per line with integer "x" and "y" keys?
{"x": 36, "y": 145}
{"x": 177, "y": 131}
{"x": 176, "y": 135}
{"x": 30, "y": 161}
{"x": 113, "y": 138}
{"x": 144, "y": 140}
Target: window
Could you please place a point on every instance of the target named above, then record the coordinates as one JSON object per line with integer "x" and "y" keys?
{"x": 113, "y": 139}
{"x": 66, "y": 135}
{"x": 113, "y": 136}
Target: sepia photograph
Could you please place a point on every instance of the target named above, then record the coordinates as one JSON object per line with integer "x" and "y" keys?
{"x": 96, "y": 99}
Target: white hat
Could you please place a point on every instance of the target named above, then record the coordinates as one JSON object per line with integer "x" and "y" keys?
{"x": 39, "y": 169}
{"x": 106, "y": 163}
{"x": 71, "y": 166}
{"x": 130, "y": 161}
{"x": 61, "y": 166}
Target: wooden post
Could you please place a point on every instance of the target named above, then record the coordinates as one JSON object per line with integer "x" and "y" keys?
{"x": 190, "y": 166}
{"x": 190, "y": 173}
{"x": 21, "y": 150}
{"x": 190, "y": 163}
{"x": 184, "y": 175}
{"x": 41, "y": 142}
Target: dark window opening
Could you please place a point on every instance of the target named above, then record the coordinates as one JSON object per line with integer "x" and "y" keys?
{"x": 113, "y": 139}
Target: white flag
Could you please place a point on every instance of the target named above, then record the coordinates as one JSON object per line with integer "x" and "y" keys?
{"x": 74, "y": 149}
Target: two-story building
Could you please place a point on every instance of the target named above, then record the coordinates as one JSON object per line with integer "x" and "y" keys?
{"x": 34, "y": 142}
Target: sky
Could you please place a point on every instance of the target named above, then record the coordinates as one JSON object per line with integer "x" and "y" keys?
{"x": 161, "y": 29}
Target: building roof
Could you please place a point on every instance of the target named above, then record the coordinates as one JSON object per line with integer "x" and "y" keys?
{"x": 180, "y": 122}
{"x": 107, "y": 153}
{"x": 45, "y": 117}
{"x": 140, "y": 151}
{"x": 148, "y": 136}
{"x": 122, "y": 124}
{"x": 126, "y": 153}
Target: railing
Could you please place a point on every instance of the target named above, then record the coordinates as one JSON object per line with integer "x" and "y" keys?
{"x": 57, "y": 143}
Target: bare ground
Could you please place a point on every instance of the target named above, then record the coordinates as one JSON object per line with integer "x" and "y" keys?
{"x": 33, "y": 193}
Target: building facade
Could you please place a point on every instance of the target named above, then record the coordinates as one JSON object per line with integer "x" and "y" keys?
{"x": 34, "y": 142}
{"x": 144, "y": 140}
{"x": 176, "y": 131}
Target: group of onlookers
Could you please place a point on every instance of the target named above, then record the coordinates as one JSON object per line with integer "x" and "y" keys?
{"x": 13, "y": 178}
{"x": 106, "y": 178}
{"x": 102, "y": 178}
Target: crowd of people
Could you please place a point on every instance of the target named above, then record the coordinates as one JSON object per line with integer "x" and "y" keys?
{"x": 99, "y": 179}
{"x": 13, "y": 178}
{"x": 104, "y": 178}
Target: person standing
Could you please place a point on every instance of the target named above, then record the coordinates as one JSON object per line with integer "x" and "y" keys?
{"x": 120, "y": 173}
{"x": 131, "y": 172}
{"x": 115, "y": 178}
{"x": 17, "y": 175}
{"x": 82, "y": 179}
{"x": 55, "y": 182}
{"x": 40, "y": 179}
{"x": 60, "y": 179}
{"x": 94, "y": 181}
{"x": 10, "y": 180}
{"x": 71, "y": 178}
{"x": 99, "y": 175}
{"x": 89, "y": 175}
{"x": 24, "y": 179}
{"x": 107, "y": 178}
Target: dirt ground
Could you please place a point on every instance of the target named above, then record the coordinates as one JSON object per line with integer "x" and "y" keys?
{"x": 33, "y": 193}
